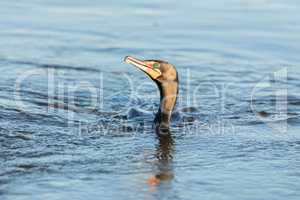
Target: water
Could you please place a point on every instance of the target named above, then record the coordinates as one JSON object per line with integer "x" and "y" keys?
{"x": 75, "y": 121}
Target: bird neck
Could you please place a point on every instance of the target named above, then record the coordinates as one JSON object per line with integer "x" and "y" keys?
{"x": 168, "y": 96}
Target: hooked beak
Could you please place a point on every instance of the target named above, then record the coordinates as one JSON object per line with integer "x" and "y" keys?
{"x": 142, "y": 65}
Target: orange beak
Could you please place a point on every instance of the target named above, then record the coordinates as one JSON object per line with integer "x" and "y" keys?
{"x": 142, "y": 65}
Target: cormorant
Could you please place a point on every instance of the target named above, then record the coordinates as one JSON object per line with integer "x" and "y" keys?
{"x": 165, "y": 76}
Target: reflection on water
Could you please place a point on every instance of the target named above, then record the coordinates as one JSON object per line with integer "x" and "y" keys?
{"x": 164, "y": 155}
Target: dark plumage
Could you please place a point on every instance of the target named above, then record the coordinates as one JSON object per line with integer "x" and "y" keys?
{"x": 165, "y": 76}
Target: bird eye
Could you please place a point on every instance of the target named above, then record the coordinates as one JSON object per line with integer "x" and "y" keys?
{"x": 156, "y": 65}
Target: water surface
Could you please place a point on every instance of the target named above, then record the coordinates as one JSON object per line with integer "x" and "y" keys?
{"x": 75, "y": 121}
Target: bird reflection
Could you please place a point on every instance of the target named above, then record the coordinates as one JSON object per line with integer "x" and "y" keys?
{"x": 164, "y": 155}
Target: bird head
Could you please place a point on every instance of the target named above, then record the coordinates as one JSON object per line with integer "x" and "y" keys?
{"x": 159, "y": 71}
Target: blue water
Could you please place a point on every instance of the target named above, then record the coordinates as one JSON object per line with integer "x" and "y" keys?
{"x": 75, "y": 121}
